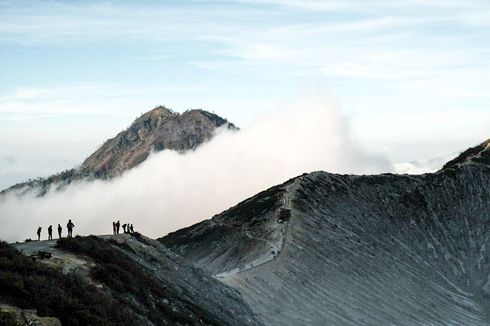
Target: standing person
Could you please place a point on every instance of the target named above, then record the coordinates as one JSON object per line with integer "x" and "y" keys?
{"x": 131, "y": 230}
{"x": 124, "y": 227}
{"x": 50, "y": 232}
{"x": 113, "y": 227}
{"x": 39, "y": 233}
{"x": 59, "y": 231}
{"x": 118, "y": 225}
{"x": 70, "y": 227}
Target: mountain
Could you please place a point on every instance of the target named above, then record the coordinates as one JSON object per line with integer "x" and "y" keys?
{"x": 156, "y": 130}
{"x": 329, "y": 249}
{"x": 478, "y": 154}
{"x": 111, "y": 280}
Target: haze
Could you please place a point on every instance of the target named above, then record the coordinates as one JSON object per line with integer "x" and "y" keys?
{"x": 170, "y": 190}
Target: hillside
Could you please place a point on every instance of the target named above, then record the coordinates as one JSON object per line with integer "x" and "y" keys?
{"x": 112, "y": 280}
{"x": 327, "y": 249}
{"x": 478, "y": 154}
{"x": 156, "y": 130}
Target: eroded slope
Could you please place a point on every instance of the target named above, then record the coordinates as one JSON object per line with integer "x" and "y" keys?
{"x": 369, "y": 250}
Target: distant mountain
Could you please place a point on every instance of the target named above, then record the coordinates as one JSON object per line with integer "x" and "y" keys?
{"x": 329, "y": 249}
{"x": 156, "y": 130}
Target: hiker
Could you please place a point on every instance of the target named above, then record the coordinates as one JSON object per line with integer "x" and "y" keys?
{"x": 124, "y": 228}
{"x": 131, "y": 230}
{"x": 50, "y": 232}
{"x": 114, "y": 227}
{"x": 39, "y": 233}
{"x": 118, "y": 225}
{"x": 70, "y": 226}
{"x": 59, "y": 231}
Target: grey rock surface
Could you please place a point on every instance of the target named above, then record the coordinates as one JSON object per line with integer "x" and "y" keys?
{"x": 357, "y": 250}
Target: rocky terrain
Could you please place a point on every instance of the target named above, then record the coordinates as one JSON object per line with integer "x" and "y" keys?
{"x": 156, "y": 130}
{"x": 328, "y": 249}
{"x": 319, "y": 249}
{"x": 478, "y": 154}
{"x": 111, "y": 280}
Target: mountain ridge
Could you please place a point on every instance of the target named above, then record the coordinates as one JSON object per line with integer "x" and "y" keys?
{"x": 125, "y": 279}
{"x": 158, "y": 129}
{"x": 371, "y": 250}
{"x": 479, "y": 154}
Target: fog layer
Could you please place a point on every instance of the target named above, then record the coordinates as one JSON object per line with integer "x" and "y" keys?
{"x": 170, "y": 190}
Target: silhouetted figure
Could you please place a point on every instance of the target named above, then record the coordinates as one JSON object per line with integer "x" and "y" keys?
{"x": 39, "y": 233}
{"x": 114, "y": 227}
{"x": 59, "y": 231}
{"x": 50, "y": 232}
{"x": 131, "y": 230}
{"x": 70, "y": 227}
{"x": 118, "y": 226}
{"x": 124, "y": 228}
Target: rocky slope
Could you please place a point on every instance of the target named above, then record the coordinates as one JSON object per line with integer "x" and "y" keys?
{"x": 126, "y": 280}
{"x": 327, "y": 249}
{"x": 156, "y": 130}
{"x": 474, "y": 155}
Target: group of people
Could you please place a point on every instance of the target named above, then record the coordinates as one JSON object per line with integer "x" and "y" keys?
{"x": 69, "y": 227}
{"x": 127, "y": 228}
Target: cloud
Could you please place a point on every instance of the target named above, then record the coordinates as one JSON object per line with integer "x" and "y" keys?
{"x": 9, "y": 159}
{"x": 429, "y": 166}
{"x": 171, "y": 190}
{"x": 82, "y": 99}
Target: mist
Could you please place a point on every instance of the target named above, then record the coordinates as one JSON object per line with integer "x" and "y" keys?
{"x": 170, "y": 190}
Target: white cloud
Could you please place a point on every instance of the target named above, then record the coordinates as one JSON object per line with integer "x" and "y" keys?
{"x": 171, "y": 190}
{"x": 93, "y": 99}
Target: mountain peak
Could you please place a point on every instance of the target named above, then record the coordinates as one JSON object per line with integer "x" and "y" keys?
{"x": 479, "y": 154}
{"x": 158, "y": 111}
{"x": 155, "y": 130}
{"x": 158, "y": 129}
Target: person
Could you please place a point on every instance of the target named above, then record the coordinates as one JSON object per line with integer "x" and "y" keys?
{"x": 113, "y": 227}
{"x": 59, "y": 231}
{"x": 131, "y": 230}
{"x": 124, "y": 228}
{"x": 118, "y": 225}
{"x": 70, "y": 226}
{"x": 39, "y": 233}
{"x": 50, "y": 232}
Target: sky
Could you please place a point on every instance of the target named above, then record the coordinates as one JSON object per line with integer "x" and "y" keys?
{"x": 410, "y": 77}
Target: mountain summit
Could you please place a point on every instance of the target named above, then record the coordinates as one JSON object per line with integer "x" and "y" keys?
{"x": 155, "y": 130}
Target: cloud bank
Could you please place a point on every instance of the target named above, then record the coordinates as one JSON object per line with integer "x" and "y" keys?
{"x": 171, "y": 190}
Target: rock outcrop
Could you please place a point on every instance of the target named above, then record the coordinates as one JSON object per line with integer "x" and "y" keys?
{"x": 13, "y": 316}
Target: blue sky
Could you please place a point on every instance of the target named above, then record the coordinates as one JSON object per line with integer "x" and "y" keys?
{"x": 411, "y": 76}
